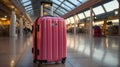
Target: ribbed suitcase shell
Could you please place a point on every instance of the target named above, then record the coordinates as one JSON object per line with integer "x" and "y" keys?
{"x": 49, "y": 40}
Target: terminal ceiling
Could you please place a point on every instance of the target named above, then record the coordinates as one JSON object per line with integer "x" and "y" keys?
{"x": 60, "y": 7}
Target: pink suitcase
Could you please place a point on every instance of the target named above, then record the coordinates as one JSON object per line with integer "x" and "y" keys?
{"x": 49, "y": 36}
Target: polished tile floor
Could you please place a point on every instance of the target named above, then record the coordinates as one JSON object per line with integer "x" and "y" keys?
{"x": 82, "y": 51}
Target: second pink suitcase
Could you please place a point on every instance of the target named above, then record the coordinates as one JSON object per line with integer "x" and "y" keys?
{"x": 49, "y": 36}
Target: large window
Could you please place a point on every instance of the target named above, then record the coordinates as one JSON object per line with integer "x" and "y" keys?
{"x": 71, "y": 19}
{"x": 98, "y": 10}
{"x": 57, "y": 2}
{"x": 81, "y": 16}
{"x": 67, "y": 21}
{"x": 75, "y": 2}
{"x": 27, "y": 3}
{"x": 110, "y": 6}
{"x": 58, "y": 11}
{"x": 62, "y": 10}
{"x": 28, "y": 7}
{"x": 67, "y": 3}
{"x": 87, "y": 13}
{"x": 83, "y": 1}
{"x": 66, "y": 7}
{"x": 60, "y": 7}
{"x": 76, "y": 18}
{"x": 24, "y": 1}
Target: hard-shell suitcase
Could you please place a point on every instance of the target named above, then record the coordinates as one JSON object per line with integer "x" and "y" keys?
{"x": 49, "y": 37}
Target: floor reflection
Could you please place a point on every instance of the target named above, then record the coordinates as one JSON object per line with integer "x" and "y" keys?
{"x": 82, "y": 51}
{"x": 103, "y": 50}
{"x": 13, "y": 51}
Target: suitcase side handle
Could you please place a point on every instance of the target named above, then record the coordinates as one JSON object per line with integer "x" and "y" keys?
{"x": 32, "y": 50}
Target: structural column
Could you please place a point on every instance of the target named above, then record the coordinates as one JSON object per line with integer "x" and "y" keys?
{"x": 13, "y": 24}
{"x": 91, "y": 33}
{"x": 21, "y": 26}
{"x": 91, "y": 21}
{"x": 119, "y": 16}
{"x": 119, "y": 33}
{"x": 104, "y": 27}
{"x": 75, "y": 21}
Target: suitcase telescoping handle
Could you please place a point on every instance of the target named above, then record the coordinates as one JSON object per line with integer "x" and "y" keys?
{"x": 46, "y": 5}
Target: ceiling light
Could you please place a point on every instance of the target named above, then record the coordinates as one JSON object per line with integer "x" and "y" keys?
{"x": 12, "y": 6}
{"x": 5, "y": 16}
{"x": 116, "y": 12}
{"x": 3, "y": 19}
{"x": 95, "y": 17}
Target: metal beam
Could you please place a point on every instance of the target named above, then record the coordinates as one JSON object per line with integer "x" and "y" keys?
{"x": 66, "y": 5}
{"x": 61, "y": 11}
{"x": 28, "y": 5}
{"x": 21, "y": 8}
{"x": 29, "y": 10}
{"x": 78, "y": 18}
{"x": 56, "y": 12}
{"x": 79, "y": 1}
{"x": 71, "y": 3}
{"x": 104, "y": 8}
{"x": 119, "y": 17}
{"x": 61, "y": 7}
{"x": 85, "y": 6}
{"x": 25, "y": 2}
{"x": 84, "y": 14}
{"x": 93, "y": 12}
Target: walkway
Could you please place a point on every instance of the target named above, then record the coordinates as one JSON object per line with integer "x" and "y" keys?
{"x": 82, "y": 51}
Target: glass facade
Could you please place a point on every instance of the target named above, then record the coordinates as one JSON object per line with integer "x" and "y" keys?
{"x": 71, "y": 20}
{"x": 101, "y": 10}
{"x": 98, "y": 10}
{"x": 27, "y": 5}
{"x": 81, "y": 16}
{"x": 110, "y": 6}
{"x": 104, "y": 13}
{"x": 87, "y": 13}
{"x": 60, "y": 7}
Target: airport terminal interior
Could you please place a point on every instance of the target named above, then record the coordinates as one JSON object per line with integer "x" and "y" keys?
{"x": 92, "y": 32}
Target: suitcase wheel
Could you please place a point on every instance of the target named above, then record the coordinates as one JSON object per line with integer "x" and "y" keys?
{"x": 63, "y": 60}
{"x": 40, "y": 62}
{"x": 34, "y": 61}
